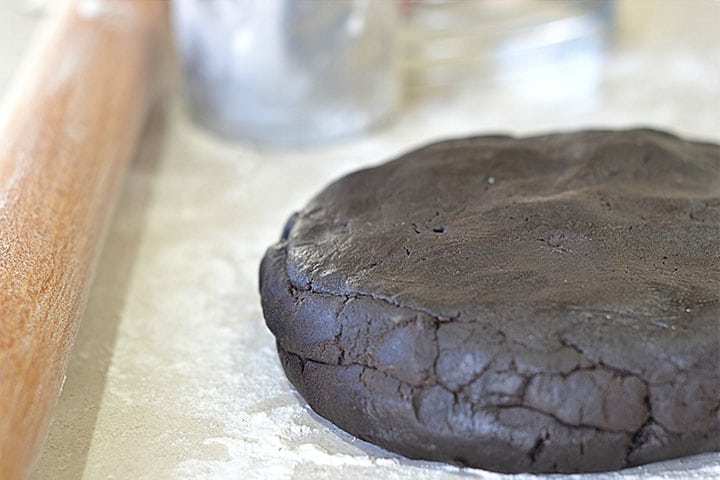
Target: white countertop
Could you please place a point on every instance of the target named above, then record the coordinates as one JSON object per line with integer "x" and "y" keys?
{"x": 174, "y": 374}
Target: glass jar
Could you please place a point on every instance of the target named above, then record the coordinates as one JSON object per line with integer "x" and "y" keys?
{"x": 288, "y": 72}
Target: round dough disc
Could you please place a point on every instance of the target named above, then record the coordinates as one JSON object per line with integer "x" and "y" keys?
{"x": 544, "y": 304}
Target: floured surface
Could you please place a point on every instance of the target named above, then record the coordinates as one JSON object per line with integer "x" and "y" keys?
{"x": 174, "y": 374}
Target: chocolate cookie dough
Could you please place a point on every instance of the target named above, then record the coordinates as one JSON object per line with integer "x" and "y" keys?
{"x": 544, "y": 304}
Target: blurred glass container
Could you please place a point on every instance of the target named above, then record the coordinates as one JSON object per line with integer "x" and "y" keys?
{"x": 288, "y": 72}
{"x": 541, "y": 49}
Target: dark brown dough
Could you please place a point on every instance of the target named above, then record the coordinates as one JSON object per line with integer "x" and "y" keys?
{"x": 544, "y": 304}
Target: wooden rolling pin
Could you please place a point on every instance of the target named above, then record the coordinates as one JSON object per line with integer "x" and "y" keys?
{"x": 68, "y": 130}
